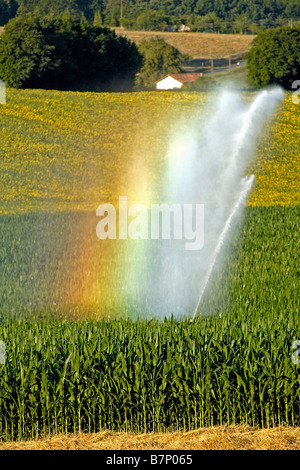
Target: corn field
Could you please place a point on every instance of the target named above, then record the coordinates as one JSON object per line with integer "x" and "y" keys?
{"x": 141, "y": 376}
{"x": 147, "y": 375}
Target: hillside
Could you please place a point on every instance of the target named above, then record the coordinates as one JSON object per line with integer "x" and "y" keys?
{"x": 197, "y": 45}
{"x": 82, "y": 127}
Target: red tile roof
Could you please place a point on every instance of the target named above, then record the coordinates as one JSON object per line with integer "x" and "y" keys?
{"x": 183, "y": 77}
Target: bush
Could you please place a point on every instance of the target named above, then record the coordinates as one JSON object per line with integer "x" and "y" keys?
{"x": 200, "y": 84}
{"x": 66, "y": 54}
{"x": 160, "y": 59}
{"x": 274, "y": 57}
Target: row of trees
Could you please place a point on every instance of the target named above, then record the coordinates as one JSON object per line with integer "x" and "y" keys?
{"x": 66, "y": 54}
{"x": 225, "y": 16}
{"x": 274, "y": 57}
{"x": 157, "y": 20}
{"x": 199, "y": 15}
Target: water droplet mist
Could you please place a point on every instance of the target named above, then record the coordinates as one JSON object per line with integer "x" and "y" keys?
{"x": 204, "y": 166}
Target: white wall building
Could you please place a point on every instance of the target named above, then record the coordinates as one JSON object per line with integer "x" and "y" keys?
{"x": 176, "y": 80}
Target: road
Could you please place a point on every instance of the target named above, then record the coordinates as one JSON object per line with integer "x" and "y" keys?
{"x": 225, "y": 69}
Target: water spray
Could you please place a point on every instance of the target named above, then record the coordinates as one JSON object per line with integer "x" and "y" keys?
{"x": 205, "y": 166}
{"x": 246, "y": 187}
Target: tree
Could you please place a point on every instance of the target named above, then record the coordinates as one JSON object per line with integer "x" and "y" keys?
{"x": 3, "y": 12}
{"x": 274, "y": 57}
{"x": 213, "y": 22}
{"x": 200, "y": 84}
{"x": 293, "y": 9}
{"x": 8, "y": 9}
{"x": 97, "y": 19}
{"x": 66, "y": 54}
{"x": 160, "y": 59}
{"x": 156, "y": 14}
{"x": 24, "y": 52}
{"x": 241, "y": 23}
{"x": 75, "y": 8}
{"x": 151, "y": 20}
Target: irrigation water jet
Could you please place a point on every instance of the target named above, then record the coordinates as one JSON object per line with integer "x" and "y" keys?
{"x": 205, "y": 164}
{"x": 247, "y": 184}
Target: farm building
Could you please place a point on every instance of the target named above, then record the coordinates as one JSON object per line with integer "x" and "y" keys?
{"x": 176, "y": 80}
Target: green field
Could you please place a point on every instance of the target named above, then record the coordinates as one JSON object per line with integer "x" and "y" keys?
{"x": 233, "y": 367}
{"x": 71, "y": 364}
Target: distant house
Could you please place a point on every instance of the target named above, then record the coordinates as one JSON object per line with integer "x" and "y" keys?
{"x": 176, "y": 80}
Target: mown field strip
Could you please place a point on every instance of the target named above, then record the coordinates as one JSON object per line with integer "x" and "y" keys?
{"x": 197, "y": 45}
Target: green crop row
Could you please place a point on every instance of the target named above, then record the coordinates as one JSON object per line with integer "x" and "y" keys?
{"x": 234, "y": 366}
{"x": 147, "y": 376}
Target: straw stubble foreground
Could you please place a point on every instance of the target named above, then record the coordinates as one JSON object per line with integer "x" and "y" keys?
{"x": 213, "y": 438}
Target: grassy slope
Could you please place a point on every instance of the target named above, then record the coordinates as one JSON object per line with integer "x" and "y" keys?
{"x": 197, "y": 45}
{"x": 72, "y": 151}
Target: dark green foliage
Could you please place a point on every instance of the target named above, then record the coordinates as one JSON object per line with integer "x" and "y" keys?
{"x": 160, "y": 59}
{"x": 66, "y": 54}
{"x": 8, "y": 9}
{"x": 24, "y": 52}
{"x": 76, "y": 8}
{"x": 275, "y": 57}
{"x": 200, "y": 84}
{"x": 213, "y": 15}
{"x": 151, "y": 20}
{"x": 144, "y": 377}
